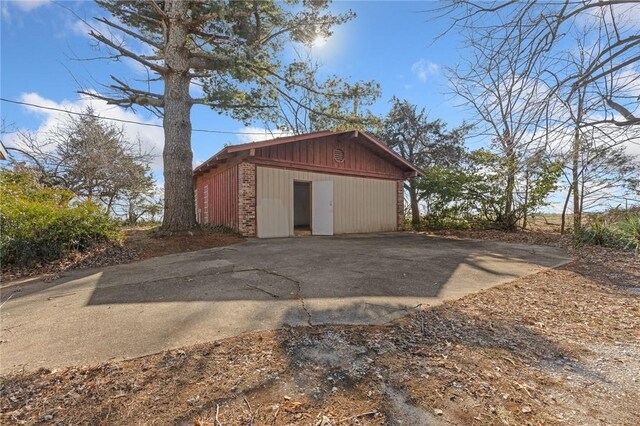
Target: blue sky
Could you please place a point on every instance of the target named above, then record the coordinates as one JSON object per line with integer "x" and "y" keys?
{"x": 390, "y": 42}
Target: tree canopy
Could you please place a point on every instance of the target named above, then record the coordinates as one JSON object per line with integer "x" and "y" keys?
{"x": 234, "y": 50}
{"x": 92, "y": 159}
{"x": 422, "y": 141}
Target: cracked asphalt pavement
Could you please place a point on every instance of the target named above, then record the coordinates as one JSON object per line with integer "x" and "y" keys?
{"x": 126, "y": 311}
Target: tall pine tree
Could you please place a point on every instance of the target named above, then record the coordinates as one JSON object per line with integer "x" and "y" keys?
{"x": 233, "y": 49}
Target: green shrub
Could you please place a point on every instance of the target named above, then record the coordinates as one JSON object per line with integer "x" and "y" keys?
{"x": 630, "y": 227}
{"x": 624, "y": 233}
{"x": 39, "y": 223}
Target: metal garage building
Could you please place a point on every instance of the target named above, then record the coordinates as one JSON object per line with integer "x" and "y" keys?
{"x": 320, "y": 183}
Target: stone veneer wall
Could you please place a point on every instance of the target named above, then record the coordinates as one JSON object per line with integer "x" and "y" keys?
{"x": 247, "y": 199}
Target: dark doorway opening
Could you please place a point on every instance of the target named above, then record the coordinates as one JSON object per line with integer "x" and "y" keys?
{"x": 302, "y": 208}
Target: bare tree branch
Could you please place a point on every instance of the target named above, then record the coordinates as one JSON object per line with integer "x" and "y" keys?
{"x": 128, "y": 53}
{"x": 130, "y": 33}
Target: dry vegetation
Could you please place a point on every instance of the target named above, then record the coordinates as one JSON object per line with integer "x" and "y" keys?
{"x": 558, "y": 347}
{"x": 138, "y": 243}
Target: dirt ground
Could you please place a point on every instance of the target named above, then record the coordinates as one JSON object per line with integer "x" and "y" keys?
{"x": 146, "y": 245}
{"x": 558, "y": 347}
{"x": 138, "y": 243}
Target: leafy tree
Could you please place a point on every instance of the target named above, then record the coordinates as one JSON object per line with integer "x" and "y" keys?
{"x": 537, "y": 181}
{"x": 139, "y": 206}
{"x": 532, "y": 184}
{"x": 472, "y": 192}
{"x": 421, "y": 141}
{"x": 444, "y": 192}
{"x": 232, "y": 48}
{"x": 321, "y": 104}
{"x": 484, "y": 187}
{"x": 91, "y": 158}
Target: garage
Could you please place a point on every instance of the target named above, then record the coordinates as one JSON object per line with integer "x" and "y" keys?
{"x": 321, "y": 183}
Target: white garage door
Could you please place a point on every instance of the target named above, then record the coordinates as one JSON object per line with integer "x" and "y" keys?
{"x": 322, "y": 207}
{"x": 359, "y": 204}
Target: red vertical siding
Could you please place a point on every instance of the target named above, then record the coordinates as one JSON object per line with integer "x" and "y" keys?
{"x": 319, "y": 152}
{"x": 223, "y": 196}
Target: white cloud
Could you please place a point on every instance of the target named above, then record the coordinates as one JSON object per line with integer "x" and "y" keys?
{"x": 6, "y": 15}
{"x": 633, "y": 148}
{"x": 628, "y": 81}
{"x": 152, "y": 138}
{"x": 625, "y": 15}
{"x": 254, "y": 134}
{"x": 28, "y": 5}
{"x": 81, "y": 27}
{"x": 423, "y": 69}
{"x": 137, "y": 67}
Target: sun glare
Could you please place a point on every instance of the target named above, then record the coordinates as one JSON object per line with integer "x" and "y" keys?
{"x": 319, "y": 41}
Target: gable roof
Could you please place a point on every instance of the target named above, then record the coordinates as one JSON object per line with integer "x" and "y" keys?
{"x": 378, "y": 147}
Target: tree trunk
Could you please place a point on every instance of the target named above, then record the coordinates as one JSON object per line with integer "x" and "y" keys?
{"x": 508, "y": 220}
{"x": 577, "y": 211}
{"x": 582, "y": 184}
{"x": 110, "y": 203}
{"x": 179, "y": 208}
{"x": 564, "y": 210}
{"x": 131, "y": 212}
{"x": 413, "y": 198}
{"x": 526, "y": 199}
{"x": 575, "y": 162}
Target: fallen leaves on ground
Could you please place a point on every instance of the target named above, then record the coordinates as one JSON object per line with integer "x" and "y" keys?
{"x": 525, "y": 237}
{"x": 138, "y": 243}
{"x": 558, "y": 347}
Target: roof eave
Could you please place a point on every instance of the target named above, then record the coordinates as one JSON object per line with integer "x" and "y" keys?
{"x": 409, "y": 169}
{"x": 280, "y": 140}
{"x": 397, "y": 156}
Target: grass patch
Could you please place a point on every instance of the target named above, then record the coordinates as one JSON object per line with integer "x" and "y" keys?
{"x": 621, "y": 232}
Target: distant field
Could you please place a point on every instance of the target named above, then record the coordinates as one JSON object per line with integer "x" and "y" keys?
{"x": 551, "y": 218}
{"x": 551, "y": 221}
{"x": 548, "y": 221}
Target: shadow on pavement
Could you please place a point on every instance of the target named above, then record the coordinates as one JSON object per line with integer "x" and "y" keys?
{"x": 387, "y": 265}
{"x": 319, "y": 268}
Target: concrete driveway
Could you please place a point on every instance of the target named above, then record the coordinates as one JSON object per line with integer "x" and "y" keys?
{"x": 131, "y": 310}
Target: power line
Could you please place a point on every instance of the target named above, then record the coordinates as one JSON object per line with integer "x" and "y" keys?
{"x": 122, "y": 120}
